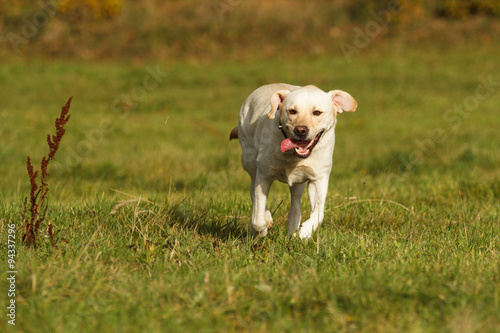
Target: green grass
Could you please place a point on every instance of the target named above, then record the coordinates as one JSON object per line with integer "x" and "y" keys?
{"x": 151, "y": 214}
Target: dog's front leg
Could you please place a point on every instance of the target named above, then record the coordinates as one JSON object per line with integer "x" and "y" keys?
{"x": 296, "y": 191}
{"x": 317, "y": 197}
{"x": 260, "y": 190}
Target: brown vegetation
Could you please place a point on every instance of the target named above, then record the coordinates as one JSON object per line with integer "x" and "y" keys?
{"x": 35, "y": 210}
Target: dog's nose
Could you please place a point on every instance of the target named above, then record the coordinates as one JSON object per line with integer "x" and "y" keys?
{"x": 301, "y": 132}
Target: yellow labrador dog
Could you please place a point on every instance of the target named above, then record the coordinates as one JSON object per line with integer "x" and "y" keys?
{"x": 287, "y": 133}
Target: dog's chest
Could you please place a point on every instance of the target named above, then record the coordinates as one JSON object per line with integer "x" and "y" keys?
{"x": 292, "y": 172}
{"x": 299, "y": 174}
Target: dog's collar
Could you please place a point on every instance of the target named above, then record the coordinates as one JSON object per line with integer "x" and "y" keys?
{"x": 281, "y": 126}
{"x": 282, "y": 130}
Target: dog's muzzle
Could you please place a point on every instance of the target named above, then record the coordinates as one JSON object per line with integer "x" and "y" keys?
{"x": 303, "y": 148}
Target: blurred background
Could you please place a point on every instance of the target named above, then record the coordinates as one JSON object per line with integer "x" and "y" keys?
{"x": 237, "y": 29}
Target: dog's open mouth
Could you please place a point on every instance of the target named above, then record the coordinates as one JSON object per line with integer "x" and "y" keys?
{"x": 303, "y": 148}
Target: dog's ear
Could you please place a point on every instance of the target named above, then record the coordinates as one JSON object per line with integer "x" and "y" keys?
{"x": 343, "y": 100}
{"x": 276, "y": 100}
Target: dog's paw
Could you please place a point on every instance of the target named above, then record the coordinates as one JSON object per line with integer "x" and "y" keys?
{"x": 258, "y": 232}
{"x": 301, "y": 233}
{"x": 304, "y": 232}
{"x": 269, "y": 219}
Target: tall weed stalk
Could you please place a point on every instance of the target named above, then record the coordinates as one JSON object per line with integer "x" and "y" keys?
{"x": 36, "y": 208}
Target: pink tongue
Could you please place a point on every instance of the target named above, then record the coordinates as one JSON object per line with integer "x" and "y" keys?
{"x": 288, "y": 144}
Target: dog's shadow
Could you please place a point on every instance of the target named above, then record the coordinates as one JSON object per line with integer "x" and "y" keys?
{"x": 223, "y": 228}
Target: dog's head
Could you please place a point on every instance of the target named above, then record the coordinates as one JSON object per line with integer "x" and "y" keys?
{"x": 306, "y": 113}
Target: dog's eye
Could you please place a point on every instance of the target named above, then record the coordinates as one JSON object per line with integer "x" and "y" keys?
{"x": 317, "y": 113}
{"x": 292, "y": 111}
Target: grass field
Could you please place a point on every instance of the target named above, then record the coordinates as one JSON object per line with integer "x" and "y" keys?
{"x": 150, "y": 205}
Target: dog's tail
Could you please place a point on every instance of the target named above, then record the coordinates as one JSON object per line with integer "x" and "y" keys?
{"x": 234, "y": 133}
